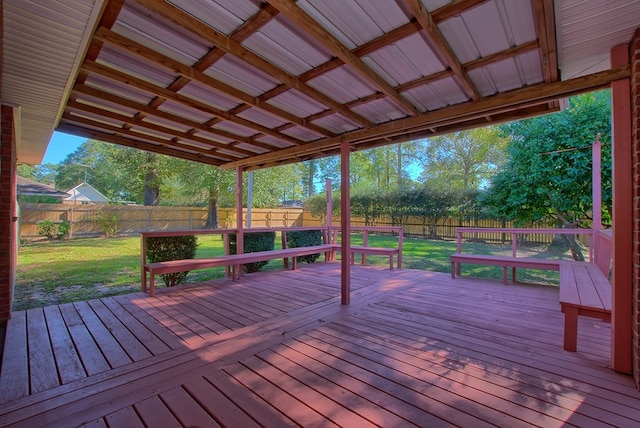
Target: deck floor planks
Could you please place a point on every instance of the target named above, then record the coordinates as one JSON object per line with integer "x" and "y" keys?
{"x": 506, "y": 357}
{"x": 349, "y": 402}
{"x": 126, "y": 417}
{"x": 138, "y": 308}
{"x": 281, "y": 374}
{"x": 111, "y": 348}
{"x": 129, "y": 343}
{"x": 213, "y": 401}
{"x": 517, "y": 402}
{"x": 14, "y": 376}
{"x": 186, "y": 409}
{"x": 155, "y": 413}
{"x": 43, "y": 373}
{"x": 272, "y": 395}
{"x": 142, "y": 332}
{"x": 220, "y": 313}
{"x": 404, "y": 313}
{"x": 66, "y": 356}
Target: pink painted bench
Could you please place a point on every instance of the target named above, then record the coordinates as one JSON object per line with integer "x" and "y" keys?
{"x": 504, "y": 261}
{"x": 585, "y": 290}
{"x": 233, "y": 260}
{"x": 365, "y": 249}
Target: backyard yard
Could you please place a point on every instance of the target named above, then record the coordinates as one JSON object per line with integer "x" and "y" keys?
{"x": 82, "y": 269}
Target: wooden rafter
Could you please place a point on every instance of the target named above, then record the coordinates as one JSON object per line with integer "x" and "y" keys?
{"x": 545, "y": 24}
{"x": 179, "y": 17}
{"x": 303, "y": 20}
{"x": 192, "y": 74}
{"x": 444, "y": 49}
{"x": 144, "y": 85}
{"x": 498, "y": 104}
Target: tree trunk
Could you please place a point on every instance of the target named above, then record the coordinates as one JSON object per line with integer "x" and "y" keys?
{"x": 151, "y": 188}
{"x": 212, "y": 214}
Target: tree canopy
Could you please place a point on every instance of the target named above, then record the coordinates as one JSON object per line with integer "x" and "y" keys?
{"x": 548, "y": 172}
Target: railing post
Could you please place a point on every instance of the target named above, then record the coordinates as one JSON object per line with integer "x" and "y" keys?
{"x": 400, "y": 238}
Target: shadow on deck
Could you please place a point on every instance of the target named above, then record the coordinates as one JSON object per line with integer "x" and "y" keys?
{"x": 278, "y": 349}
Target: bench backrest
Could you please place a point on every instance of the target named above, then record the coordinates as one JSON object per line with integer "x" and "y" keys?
{"x": 603, "y": 252}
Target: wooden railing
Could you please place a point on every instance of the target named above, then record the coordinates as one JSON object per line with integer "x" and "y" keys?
{"x": 366, "y": 230}
{"x": 515, "y": 232}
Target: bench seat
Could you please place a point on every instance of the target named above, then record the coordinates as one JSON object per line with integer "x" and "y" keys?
{"x": 234, "y": 260}
{"x": 585, "y": 291}
{"x": 505, "y": 261}
{"x": 374, "y": 251}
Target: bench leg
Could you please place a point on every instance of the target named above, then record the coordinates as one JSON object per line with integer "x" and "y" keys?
{"x": 513, "y": 275}
{"x": 505, "y": 278}
{"x": 144, "y": 280}
{"x": 570, "y": 328}
{"x": 390, "y": 261}
{"x": 453, "y": 270}
{"x": 152, "y": 284}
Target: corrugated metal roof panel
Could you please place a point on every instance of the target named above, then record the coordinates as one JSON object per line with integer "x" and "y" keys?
{"x": 342, "y": 84}
{"x": 223, "y": 15}
{"x": 302, "y": 133}
{"x": 336, "y": 123}
{"x": 135, "y": 65}
{"x": 355, "y": 22}
{"x": 273, "y": 141}
{"x": 283, "y": 44}
{"x": 113, "y": 87}
{"x": 209, "y": 96}
{"x": 425, "y": 97}
{"x": 235, "y": 128}
{"x": 380, "y": 111}
{"x": 184, "y": 111}
{"x": 262, "y": 117}
{"x": 297, "y": 103}
{"x": 243, "y": 76}
{"x": 160, "y": 35}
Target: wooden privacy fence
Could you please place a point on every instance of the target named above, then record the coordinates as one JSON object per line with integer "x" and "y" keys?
{"x": 85, "y": 221}
{"x": 90, "y": 220}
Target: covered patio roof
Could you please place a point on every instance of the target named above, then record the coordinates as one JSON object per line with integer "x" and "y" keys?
{"x": 251, "y": 84}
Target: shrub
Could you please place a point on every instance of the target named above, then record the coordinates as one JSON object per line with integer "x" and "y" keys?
{"x": 108, "y": 222}
{"x": 52, "y": 230}
{"x": 254, "y": 242}
{"x": 160, "y": 249}
{"x": 305, "y": 238}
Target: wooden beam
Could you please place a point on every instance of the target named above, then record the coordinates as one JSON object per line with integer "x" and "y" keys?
{"x": 147, "y": 110}
{"x": 193, "y": 74}
{"x": 443, "y": 48}
{"x": 199, "y": 28}
{"x": 152, "y": 88}
{"x": 500, "y": 103}
{"x": 74, "y": 106}
{"x": 321, "y": 35}
{"x": 135, "y": 144}
{"x": 456, "y": 7}
{"x": 546, "y": 30}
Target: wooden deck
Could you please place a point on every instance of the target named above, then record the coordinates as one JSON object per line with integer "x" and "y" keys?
{"x": 277, "y": 349}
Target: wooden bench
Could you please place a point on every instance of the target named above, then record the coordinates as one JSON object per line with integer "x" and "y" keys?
{"x": 378, "y": 251}
{"x": 585, "y": 290}
{"x": 504, "y": 261}
{"x": 233, "y": 260}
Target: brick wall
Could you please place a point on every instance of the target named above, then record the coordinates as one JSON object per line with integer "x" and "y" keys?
{"x": 635, "y": 141}
{"x": 8, "y": 214}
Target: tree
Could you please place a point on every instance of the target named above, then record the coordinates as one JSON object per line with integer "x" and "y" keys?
{"x": 462, "y": 160}
{"x": 548, "y": 174}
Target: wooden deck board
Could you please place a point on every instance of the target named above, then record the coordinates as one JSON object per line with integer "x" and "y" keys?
{"x": 413, "y": 348}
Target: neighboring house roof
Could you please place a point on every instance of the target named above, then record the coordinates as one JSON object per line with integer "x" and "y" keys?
{"x": 26, "y": 187}
{"x": 84, "y": 192}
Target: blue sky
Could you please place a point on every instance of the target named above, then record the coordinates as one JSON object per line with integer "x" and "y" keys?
{"x": 60, "y": 146}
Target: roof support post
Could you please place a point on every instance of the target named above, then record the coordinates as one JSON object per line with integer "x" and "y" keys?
{"x": 345, "y": 222}
{"x": 596, "y": 192}
{"x": 239, "y": 217}
{"x": 622, "y": 289}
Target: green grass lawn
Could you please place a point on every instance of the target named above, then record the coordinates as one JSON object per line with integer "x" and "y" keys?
{"x": 81, "y": 269}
